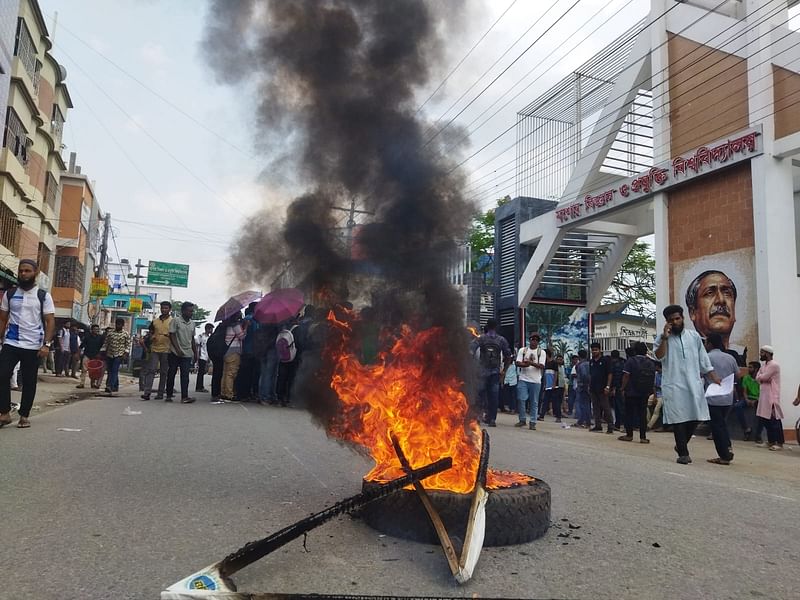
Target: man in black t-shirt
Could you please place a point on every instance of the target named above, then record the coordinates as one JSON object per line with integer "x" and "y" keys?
{"x": 599, "y": 389}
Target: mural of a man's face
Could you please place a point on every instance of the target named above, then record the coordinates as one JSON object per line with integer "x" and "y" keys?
{"x": 715, "y": 311}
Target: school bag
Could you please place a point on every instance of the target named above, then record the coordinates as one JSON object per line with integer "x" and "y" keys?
{"x": 284, "y": 344}
{"x": 216, "y": 345}
{"x": 490, "y": 352}
{"x": 643, "y": 380}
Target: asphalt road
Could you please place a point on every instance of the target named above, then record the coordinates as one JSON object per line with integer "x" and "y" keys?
{"x": 131, "y": 504}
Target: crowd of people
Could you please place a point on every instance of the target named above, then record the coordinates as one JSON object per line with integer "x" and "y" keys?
{"x": 666, "y": 388}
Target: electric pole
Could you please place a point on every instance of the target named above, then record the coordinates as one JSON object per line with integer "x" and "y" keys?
{"x": 101, "y": 267}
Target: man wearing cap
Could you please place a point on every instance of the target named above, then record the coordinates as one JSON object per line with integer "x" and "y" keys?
{"x": 769, "y": 409}
{"x": 27, "y": 324}
{"x": 683, "y": 359}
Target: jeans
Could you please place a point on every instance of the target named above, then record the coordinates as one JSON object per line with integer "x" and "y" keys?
{"x": 29, "y": 366}
{"x": 602, "y": 410}
{"x": 571, "y": 397}
{"x": 740, "y": 408}
{"x": 216, "y": 376}
{"x": 528, "y": 390}
{"x": 491, "y": 388}
{"x": 552, "y": 398}
{"x": 202, "y": 368}
{"x": 619, "y": 407}
{"x": 286, "y": 373}
{"x": 269, "y": 374}
{"x": 719, "y": 430}
{"x": 159, "y": 361}
{"x": 112, "y": 381}
{"x": 636, "y": 415}
{"x": 508, "y": 397}
{"x": 184, "y": 363}
{"x": 245, "y": 377}
{"x": 583, "y": 407}
{"x": 683, "y": 432}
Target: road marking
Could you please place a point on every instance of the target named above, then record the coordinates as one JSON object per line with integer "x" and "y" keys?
{"x": 244, "y": 407}
{"x": 302, "y": 464}
{"x": 676, "y": 474}
{"x": 766, "y": 494}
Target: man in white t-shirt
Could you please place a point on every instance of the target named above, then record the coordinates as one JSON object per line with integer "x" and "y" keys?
{"x": 530, "y": 364}
{"x": 27, "y": 324}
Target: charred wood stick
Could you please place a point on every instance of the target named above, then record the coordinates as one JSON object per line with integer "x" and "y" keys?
{"x": 253, "y": 551}
{"x": 438, "y": 525}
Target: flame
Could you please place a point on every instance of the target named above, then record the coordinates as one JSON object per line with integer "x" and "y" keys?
{"x": 473, "y": 331}
{"x": 413, "y": 392}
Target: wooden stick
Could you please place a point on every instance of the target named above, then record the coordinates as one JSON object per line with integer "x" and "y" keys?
{"x": 438, "y": 525}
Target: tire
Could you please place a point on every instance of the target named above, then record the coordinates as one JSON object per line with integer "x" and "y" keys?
{"x": 514, "y": 515}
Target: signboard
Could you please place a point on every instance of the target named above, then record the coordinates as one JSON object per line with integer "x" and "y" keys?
{"x": 706, "y": 159}
{"x": 99, "y": 287}
{"x": 161, "y": 273}
{"x": 135, "y": 305}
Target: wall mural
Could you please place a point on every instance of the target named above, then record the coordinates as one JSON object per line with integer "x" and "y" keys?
{"x": 718, "y": 294}
{"x": 564, "y": 329}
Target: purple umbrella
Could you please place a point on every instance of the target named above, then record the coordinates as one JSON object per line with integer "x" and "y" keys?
{"x": 236, "y": 303}
{"x": 279, "y": 305}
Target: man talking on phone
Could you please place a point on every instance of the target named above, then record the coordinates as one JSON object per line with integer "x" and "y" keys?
{"x": 683, "y": 358}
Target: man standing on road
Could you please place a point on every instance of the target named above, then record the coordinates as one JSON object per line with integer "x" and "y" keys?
{"x": 27, "y": 324}
{"x": 159, "y": 353}
{"x": 530, "y": 364}
{"x": 91, "y": 351}
{"x": 638, "y": 382}
{"x": 118, "y": 344}
{"x": 600, "y": 388}
{"x": 683, "y": 359}
{"x": 183, "y": 350}
{"x": 62, "y": 350}
{"x": 769, "y": 409}
{"x": 494, "y": 352}
{"x": 719, "y": 406}
{"x": 201, "y": 343}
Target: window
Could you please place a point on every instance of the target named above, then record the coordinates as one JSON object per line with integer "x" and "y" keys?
{"x": 43, "y": 258}
{"x": 57, "y": 122}
{"x": 37, "y": 76}
{"x": 24, "y": 48}
{"x": 69, "y": 272}
{"x": 120, "y": 304}
{"x": 15, "y": 137}
{"x": 50, "y": 191}
{"x": 10, "y": 229}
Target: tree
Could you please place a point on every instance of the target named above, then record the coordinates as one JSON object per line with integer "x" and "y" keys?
{"x": 635, "y": 282}
{"x": 200, "y": 314}
{"x": 481, "y": 242}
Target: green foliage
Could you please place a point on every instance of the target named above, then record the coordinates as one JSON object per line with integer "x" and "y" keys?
{"x": 481, "y": 241}
{"x": 199, "y": 315}
{"x": 635, "y": 282}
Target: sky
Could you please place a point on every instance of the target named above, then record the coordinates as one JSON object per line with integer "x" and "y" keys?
{"x": 173, "y": 152}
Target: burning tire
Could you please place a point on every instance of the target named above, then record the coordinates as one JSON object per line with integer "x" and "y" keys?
{"x": 514, "y": 515}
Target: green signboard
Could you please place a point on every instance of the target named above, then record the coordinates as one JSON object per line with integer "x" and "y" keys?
{"x": 161, "y": 273}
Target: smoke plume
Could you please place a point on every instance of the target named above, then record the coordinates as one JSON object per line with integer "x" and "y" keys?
{"x": 335, "y": 83}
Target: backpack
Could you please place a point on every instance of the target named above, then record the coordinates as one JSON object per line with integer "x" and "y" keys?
{"x": 216, "y": 346}
{"x": 643, "y": 380}
{"x": 285, "y": 345}
{"x": 42, "y": 295}
{"x": 584, "y": 375}
{"x": 491, "y": 353}
{"x": 263, "y": 339}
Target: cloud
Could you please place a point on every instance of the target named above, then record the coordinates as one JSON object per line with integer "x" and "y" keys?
{"x": 154, "y": 56}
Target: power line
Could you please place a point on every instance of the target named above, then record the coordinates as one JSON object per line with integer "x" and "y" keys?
{"x": 471, "y": 50}
{"x": 696, "y": 61}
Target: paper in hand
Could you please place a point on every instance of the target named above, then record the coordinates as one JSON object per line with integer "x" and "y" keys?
{"x": 725, "y": 388}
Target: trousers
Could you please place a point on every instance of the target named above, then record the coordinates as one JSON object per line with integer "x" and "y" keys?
{"x": 29, "y": 366}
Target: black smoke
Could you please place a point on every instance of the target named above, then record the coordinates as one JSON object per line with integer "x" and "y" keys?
{"x": 335, "y": 110}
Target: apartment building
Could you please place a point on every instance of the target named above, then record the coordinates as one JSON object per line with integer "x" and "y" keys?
{"x": 30, "y": 159}
{"x": 77, "y": 244}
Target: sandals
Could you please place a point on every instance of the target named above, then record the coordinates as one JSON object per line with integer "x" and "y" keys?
{"x": 23, "y": 423}
{"x": 5, "y": 419}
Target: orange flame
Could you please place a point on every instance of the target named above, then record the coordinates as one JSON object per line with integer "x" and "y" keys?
{"x": 413, "y": 392}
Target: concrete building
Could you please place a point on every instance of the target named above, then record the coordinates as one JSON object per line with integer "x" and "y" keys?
{"x": 30, "y": 160}
{"x": 694, "y": 138}
{"x": 8, "y": 26}
{"x": 77, "y": 245}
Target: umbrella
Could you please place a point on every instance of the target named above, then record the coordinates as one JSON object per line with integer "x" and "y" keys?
{"x": 279, "y": 305}
{"x": 236, "y": 303}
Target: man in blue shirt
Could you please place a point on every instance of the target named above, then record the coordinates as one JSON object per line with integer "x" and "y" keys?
{"x": 494, "y": 354}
